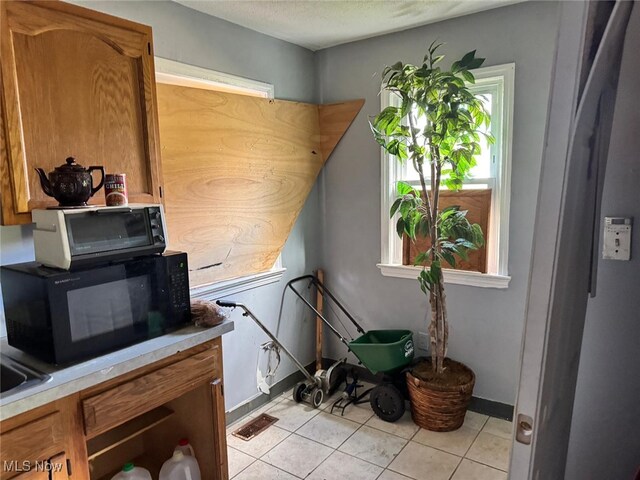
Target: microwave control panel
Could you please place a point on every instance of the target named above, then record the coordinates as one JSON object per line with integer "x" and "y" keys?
{"x": 157, "y": 227}
{"x": 179, "y": 282}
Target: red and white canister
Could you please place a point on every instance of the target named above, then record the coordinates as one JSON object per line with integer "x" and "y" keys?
{"x": 115, "y": 189}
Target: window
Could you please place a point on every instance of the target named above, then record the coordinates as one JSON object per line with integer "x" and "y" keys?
{"x": 492, "y": 171}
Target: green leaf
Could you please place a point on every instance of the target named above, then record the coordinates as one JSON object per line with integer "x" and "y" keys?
{"x": 475, "y": 63}
{"x": 435, "y": 271}
{"x": 394, "y": 207}
{"x": 396, "y": 148}
{"x": 403, "y": 188}
{"x": 462, "y": 253}
{"x": 387, "y": 120}
{"x": 468, "y": 58}
{"x": 424, "y": 226}
{"x": 400, "y": 227}
{"x": 421, "y": 258}
{"x": 425, "y": 281}
{"x": 450, "y": 259}
{"x": 468, "y": 76}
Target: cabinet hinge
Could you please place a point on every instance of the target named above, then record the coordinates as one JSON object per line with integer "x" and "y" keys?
{"x": 69, "y": 468}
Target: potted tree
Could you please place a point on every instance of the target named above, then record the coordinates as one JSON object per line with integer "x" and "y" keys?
{"x": 437, "y": 127}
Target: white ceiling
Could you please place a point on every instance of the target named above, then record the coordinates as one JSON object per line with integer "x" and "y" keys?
{"x": 317, "y": 24}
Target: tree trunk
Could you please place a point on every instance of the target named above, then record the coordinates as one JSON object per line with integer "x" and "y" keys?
{"x": 433, "y": 331}
{"x": 445, "y": 321}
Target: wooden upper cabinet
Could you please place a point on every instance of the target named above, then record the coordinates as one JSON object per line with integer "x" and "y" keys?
{"x": 74, "y": 83}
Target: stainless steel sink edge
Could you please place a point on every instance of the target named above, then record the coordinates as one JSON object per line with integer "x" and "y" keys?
{"x": 32, "y": 377}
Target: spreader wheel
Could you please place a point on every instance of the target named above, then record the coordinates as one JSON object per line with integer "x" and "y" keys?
{"x": 298, "y": 390}
{"x": 387, "y": 402}
{"x": 316, "y": 397}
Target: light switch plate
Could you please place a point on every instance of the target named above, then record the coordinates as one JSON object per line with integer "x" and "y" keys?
{"x": 617, "y": 238}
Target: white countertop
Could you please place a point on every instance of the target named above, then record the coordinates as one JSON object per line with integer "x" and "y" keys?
{"x": 66, "y": 380}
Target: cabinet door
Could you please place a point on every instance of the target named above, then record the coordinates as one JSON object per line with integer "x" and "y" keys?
{"x": 74, "y": 83}
{"x": 33, "y": 442}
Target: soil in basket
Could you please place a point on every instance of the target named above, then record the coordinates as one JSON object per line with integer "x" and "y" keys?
{"x": 454, "y": 373}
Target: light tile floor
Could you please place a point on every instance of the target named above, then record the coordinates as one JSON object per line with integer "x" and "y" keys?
{"x": 317, "y": 445}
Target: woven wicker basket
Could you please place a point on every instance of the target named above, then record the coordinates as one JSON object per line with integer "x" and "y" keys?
{"x": 438, "y": 408}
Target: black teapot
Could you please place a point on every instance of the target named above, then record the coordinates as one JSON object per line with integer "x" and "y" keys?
{"x": 71, "y": 184}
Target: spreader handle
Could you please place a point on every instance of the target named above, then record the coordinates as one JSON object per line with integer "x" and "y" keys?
{"x": 223, "y": 303}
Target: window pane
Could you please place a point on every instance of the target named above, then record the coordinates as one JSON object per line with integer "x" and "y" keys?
{"x": 483, "y": 160}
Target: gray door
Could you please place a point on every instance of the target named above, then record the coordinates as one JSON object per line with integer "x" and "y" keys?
{"x": 566, "y": 225}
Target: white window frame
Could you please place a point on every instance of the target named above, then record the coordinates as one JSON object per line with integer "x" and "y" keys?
{"x": 498, "y": 247}
{"x": 176, "y": 73}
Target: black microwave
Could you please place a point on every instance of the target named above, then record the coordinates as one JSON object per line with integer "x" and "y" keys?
{"x": 63, "y": 316}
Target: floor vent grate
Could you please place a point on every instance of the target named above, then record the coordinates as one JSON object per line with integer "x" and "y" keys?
{"x": 255, "y": 427}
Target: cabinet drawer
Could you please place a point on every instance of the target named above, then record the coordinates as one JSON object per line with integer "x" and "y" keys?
{"x": 35, "y": 441}
{"x": 119, "y": 404}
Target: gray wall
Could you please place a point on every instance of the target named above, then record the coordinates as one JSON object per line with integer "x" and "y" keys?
{"x": 605, "y": 438}
{"x": 187, "y": 36}
{"x": 486, "y": 324}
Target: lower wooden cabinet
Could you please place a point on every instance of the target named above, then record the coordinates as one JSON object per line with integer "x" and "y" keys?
{"x": 138, "y": 417}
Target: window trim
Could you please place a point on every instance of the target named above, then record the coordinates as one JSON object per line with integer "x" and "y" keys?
{"x": 178, "y": 73}
{"x": 391, "y": 245}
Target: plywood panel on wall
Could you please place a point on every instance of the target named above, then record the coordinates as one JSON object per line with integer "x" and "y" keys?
{"x": 237, "y": 171}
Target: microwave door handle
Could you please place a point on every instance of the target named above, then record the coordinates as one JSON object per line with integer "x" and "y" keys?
{"x": 112, "y": 210}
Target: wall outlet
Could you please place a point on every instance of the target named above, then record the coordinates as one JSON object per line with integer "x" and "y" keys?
{"x": 422, "y": 342}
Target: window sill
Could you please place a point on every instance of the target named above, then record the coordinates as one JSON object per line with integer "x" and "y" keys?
{"x": 458, "y": 277}
{"x": 234, "y": 286}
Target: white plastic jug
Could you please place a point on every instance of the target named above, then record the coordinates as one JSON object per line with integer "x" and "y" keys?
{"x": 131, "y": 472}
{"x": 185, "y": 447}
{"x": 180, "y": 467}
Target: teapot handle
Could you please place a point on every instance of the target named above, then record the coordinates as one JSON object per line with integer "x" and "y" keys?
{"x": 91, "y": 169}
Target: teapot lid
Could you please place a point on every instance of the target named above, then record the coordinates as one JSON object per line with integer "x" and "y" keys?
{"x": 70, "y": 166}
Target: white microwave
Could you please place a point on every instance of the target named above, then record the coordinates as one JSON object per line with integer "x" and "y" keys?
{"x": 74, "y": 237}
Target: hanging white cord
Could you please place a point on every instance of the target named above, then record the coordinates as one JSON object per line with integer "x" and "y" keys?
{"x": 272, "y": 351}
